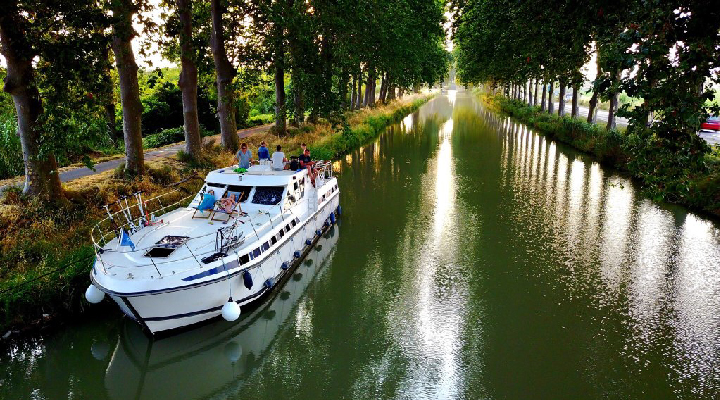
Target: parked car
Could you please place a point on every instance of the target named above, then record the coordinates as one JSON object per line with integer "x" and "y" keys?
{"x": 711, "y": 124}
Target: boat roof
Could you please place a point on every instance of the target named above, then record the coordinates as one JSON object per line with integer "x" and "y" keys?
{"x": 256, "y": 175}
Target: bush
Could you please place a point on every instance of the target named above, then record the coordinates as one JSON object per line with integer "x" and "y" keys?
{"x": 169, "y": 136}
{"x": 260, "y": 119}
{"x": 11, "y": 160}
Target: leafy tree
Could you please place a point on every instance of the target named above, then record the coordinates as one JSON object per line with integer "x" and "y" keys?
{"x": 55, "y": 52}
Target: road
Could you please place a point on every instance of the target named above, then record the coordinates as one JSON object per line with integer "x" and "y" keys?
{"x": 602, "y": 115}
{"x": 150, "y": 155}
{"x": 711, "y": 137}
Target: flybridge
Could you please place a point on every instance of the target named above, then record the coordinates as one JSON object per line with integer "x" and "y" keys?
{"x": 236, "y": 239}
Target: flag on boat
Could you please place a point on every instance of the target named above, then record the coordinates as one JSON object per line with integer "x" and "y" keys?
{"x": 125, "y": 239}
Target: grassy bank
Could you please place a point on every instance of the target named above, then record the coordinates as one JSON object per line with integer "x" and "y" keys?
{"x": 662, "y": 173}
{"x": 46, "y": 251}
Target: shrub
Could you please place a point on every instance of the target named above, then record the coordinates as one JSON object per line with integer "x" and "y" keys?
{"x": 11, "y": 160}
{"x": 260, "y": 119}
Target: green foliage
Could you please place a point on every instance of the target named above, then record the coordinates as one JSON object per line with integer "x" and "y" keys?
{"x": 11, "y": 161}
{"x": 261, "y": 119}
{"x": 169, "y": 136}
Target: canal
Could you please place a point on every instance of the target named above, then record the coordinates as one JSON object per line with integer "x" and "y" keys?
{"x": 474, "y": 259}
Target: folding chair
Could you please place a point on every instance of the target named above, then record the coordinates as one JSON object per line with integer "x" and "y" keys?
{"x": 207, "y": 204}
{"x": 220, "y": 209}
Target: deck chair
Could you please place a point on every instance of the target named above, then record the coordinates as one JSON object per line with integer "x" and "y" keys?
{"x": 207, "y": 204}
{"x": 219, "y": 209}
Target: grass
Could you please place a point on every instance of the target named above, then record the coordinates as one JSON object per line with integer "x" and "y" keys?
{"x": 42, "y": 274}
{"x": 663, "y": 174}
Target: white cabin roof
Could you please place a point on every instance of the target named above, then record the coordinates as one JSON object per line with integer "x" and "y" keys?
{"x": 256, "y": 175}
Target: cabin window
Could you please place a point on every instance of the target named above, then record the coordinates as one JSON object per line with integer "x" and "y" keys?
{"x": 165, "y": 246}
{"x": 159, "y": 252}
{"x": 273, "y": 240}
{"x": 268, "y": 195}
{"x": 244, "y": 259}
{"x": 281, "y": 233}
{"x": 293, "y": 223}
{"x": 287, "y": 228}
{"x": 296, "y": 185}
{"x": 215, "y": 185}
{"x": 241, "y": 192}
{"x": 256, "y": 253}
{"x": 265, "y": 246}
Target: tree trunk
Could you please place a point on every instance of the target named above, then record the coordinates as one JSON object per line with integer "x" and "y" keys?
{"x": 343, "y": 90}
{"x": 401, "y": 92}
{"x": 391, "y": 92}
{"x": 41, "y": 175}
{"x": 551, "y": 105}
{"x": 529, "y": 92}
{"x": 369, "y": 95}
{"x": 359, "y": 100}
{"x": 353, "y": 92}
{"x": 188, "y": 81}
{"x": 544, "y": 92}
{"x": 225, "y": 73}
{"x": 298, "y": 99}
{"x": 383, "y": 87}
{"x": 280, "y": 115}
{"x": 123, "y": 34}
{"x": 561, "y": 100}
{"x": 535, "y": 97}
{"x": 613, "y": 104}
{"x": 575, "y": 106}
{"x": 592, "y": 110}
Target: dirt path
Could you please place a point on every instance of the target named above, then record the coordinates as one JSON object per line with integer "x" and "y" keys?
{"x": 153, "y": 154}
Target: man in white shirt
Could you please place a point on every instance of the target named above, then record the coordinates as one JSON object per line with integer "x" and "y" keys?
{"x": 278, "y": 159}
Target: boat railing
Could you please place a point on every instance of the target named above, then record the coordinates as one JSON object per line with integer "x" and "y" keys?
{"x": 324, "y": 171}
{"x": 226, "y": 239}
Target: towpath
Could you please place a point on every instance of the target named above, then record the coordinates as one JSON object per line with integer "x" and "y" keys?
{"x": 153, "y": 154}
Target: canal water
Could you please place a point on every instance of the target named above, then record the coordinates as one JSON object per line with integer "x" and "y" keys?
{"x": 474, "y": 259}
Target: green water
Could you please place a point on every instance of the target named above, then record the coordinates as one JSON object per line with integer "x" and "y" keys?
{"x": 474, "y": 259}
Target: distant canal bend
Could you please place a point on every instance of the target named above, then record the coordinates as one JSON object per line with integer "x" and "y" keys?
{"x": 477, "y": 260}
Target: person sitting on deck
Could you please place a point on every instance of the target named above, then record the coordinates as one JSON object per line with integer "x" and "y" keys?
{"x": 278, "y": 159}
{"x": 244, "y": 156}
{"x": 263, "y": 152}
{"x": 306, "y": 162}
{"x": 228, "y": 203}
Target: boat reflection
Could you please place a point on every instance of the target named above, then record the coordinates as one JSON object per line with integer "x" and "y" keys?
{"x": 214, "y": 359}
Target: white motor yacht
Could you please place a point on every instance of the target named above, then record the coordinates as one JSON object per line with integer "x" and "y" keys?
{"x": 200, "y": 261}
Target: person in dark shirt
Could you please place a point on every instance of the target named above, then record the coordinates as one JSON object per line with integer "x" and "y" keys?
{"x": 263, "y": 152}
{"x": 306, "y": 162}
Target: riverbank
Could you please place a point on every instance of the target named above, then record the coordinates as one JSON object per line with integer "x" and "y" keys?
{"x": 698, "y": 191}
{"x": 46, "y": 249}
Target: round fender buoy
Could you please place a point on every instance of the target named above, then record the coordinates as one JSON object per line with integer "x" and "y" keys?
{"x": 318, "y": 232}
{"x": 93, "y": 294}
{"x": 284, "y": 266}
{"x": 231, "y": 310}
{"x": 247, "y": 279}
{"x": 233, "y": 351}
{"x": 308, "y": 242}
{"x": 99, "y": 350}
{"x": 332, "y": 218}
{"x": 297, "y": 254}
